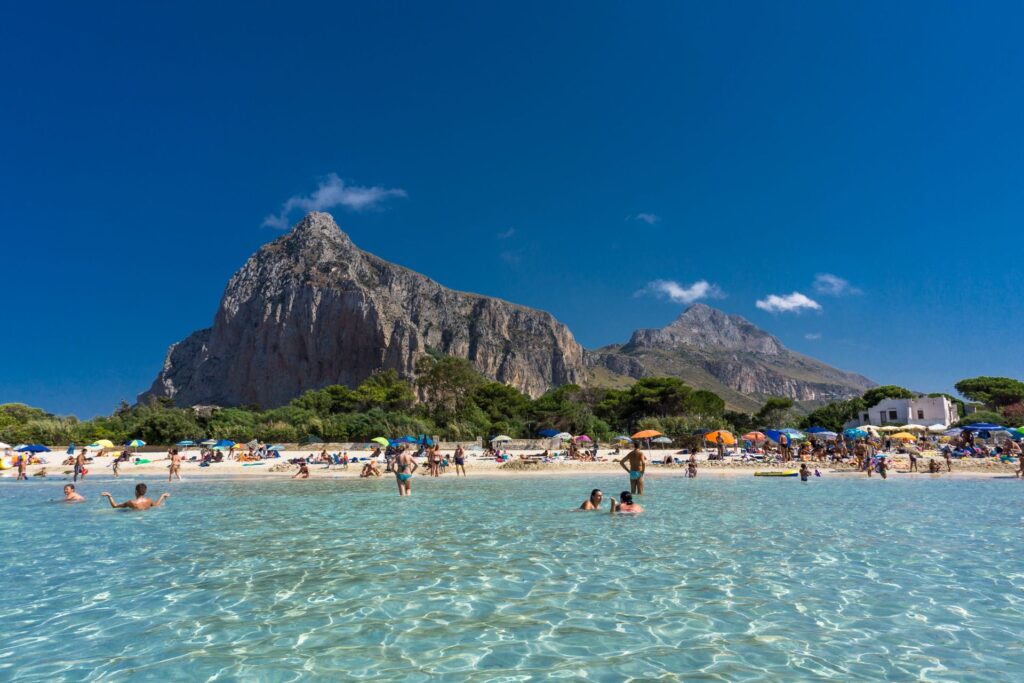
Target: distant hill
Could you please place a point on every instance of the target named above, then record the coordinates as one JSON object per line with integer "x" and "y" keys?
{"x": 727, "y": 354}
{"x": 311, "y": 309}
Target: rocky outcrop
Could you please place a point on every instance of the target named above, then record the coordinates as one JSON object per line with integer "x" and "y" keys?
{"x": 311, "y": 309}
{"x": 730, "y": 356}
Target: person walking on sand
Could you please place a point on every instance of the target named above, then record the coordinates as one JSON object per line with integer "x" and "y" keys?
{"x": 140, "y": 502}
{"x": 23, "y": 467}
{"x": 405, "y": 467}
{"x": 79, "y": 466}
{"x": 175, "y": 469}
{"x": 635, "y": 464}
{"x": 460, "y": 460}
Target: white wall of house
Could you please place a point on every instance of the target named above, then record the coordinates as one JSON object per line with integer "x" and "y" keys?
{"x": 915, "y": 411}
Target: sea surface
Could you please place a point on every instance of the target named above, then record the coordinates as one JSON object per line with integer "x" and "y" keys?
{"x": 488, "y": 579}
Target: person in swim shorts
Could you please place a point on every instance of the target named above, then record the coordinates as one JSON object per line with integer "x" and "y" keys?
{"x": 460, "y": 461}
{"x": 405, "y": 466}
{"x": 72, "y": 496}
{"x": 635, "y": 464}
{"x": 805, "y": 473}
{"x": 627, "y": 505}
{"x": 79, "y": 466}
{"x": 141, "y": 502}
{"x": 594, "y": 502}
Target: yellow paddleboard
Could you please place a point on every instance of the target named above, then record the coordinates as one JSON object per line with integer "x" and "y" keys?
{"x": 778, "y": 473}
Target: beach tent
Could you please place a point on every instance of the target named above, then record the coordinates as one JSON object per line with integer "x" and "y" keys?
{"x": 904, "y": 436}
{"x": 727, "y": 438}
{"x": 647, "y": 434}
{"x": 547, "y": 433}
{"x": 754, "y": 437}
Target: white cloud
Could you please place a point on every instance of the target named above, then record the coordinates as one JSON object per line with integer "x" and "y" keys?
{"x": 331, "y": 192}
{"x": 648, "y": 218}
{"x": 788, "y": 303}
{"x": 506, "y": 234}
{"x": 812, "y": 336}
{"x": 702, "y": 289}
{"x": 833, "y": 285}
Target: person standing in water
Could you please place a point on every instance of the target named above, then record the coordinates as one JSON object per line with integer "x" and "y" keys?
{"x": 405, "y": 466}
{"x": 883, "y": 468}
{"x": 140, "y": 502}
{"x": 594, "y": 502}
{"x": 637, "y": 465}
{"x": 79, "y": 466}
{"x": 805, "y": 473}
{"x": 23, "y": 467}
{"x": 175, "y": 470}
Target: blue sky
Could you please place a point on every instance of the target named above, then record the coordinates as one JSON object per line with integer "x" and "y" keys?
{"x": 599, "y": 161}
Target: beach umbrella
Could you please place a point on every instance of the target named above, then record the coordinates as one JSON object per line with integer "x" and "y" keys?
{"x": 564, "y": 436}
{"x": 754, "y": 436}
{"x": 135, "y": 443}
{"x": 727, "y": 438}
{"x": 4, "y": 446}
{"x": 101, "y": 444}
{"x": 547, "y": 433}
{"x": 623, "y": 439}
{"x": 983, "y": 427}
{"x": 890, "y": 428}
{"x": 186, "y": 442}
{"x": 818, "y": 430}
{"x": 774, "y": 435}
{"x": 793, "y": 433}
{"x": 828, "y": 436}
{"x": 276, "y": 447}
{"x": 32, "y": 448}
{"x": 224, "y": 443}
{"x": 904, "y": 436}
{"x": 500, "y": 438}
{"x": 208, "y": 442}
{"x": 956, "y": 431}
{"x": 661, "y": 439}
{"x": 647, "y": 434}
{"x": 855, "y": 433}
{"x": 380, "y": 440}
{"x": 583, "y": 437}
{"x": 936, "y": 428}
{"x": 913, "y": 428}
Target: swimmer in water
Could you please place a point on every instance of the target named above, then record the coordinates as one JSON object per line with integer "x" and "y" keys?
{"x": 805, "y": 473}
{"x": 594, "y": 502}
{"x": 635, "y": 463}
{"x": 141, "y": 502}
{"x": 627, "y": 505}
{"x": 72, "y": 496}
{"x": 405, "y": 466}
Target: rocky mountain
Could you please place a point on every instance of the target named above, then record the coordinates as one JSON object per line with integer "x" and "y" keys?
{"x": 728, "y": 355}
{"x": 311, "y": 309}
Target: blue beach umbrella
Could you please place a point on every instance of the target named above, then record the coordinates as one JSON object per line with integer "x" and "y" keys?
{"x": 32, "y": 448}
{"x": 71, "y": 448}
{"x": 817, "y": 430}
{"x": 854, "y": 433}
{"x": 186, "y": 443}
{"x": 135, "y": 443}
{"x": 623, "y": 438}
{"x": 773, "y": 434}
{"x": 984, "y": 427}
{"x": 547, "y": 433}
{"x": 224, "y": 443}
{"x": 793, "y": 433}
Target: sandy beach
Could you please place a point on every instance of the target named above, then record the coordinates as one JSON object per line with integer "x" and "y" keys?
{"x": 479, "y": 465}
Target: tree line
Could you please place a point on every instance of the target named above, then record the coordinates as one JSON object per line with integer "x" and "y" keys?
{"x": 449, "y": 398}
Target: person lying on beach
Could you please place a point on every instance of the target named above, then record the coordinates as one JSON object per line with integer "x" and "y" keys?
{"x": 369, "y": 470}
{"x": 594, "y": 502}
{"x": 303, "y": 472}
{"x": 627, "y": 506}
{"x": 72, "y": 496}
{"x": 141, "y": 502}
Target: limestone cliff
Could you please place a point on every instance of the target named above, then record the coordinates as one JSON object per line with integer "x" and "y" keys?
{"x": 311, "y": 309}
{"x": 730, "y": 356}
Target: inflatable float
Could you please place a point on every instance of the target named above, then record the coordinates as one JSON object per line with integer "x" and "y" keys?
{"x": 778, "y": 473}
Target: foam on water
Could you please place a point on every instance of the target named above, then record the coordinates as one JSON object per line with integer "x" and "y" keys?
{"x": 488, "y": 579}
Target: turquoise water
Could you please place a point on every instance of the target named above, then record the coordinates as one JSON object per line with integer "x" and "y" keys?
{"x": 496, "y": 580}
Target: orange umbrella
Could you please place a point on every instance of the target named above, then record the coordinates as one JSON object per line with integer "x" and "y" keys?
{"x": 754, "y": 436}
{"x": 647, "y": 434}
{"x": 727, "y": 438}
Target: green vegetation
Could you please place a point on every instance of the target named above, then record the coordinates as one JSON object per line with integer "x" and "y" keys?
{"x": 449, "y": 398}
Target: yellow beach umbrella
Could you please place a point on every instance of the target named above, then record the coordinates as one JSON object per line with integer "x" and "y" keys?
{"x": 102, "y": 443}
{"x": 904, "y": 436}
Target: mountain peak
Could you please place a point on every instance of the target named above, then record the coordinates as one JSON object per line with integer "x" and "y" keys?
{"x": 703, "y": 327}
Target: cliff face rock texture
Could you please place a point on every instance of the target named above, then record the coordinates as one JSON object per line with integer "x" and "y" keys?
{"x": 311, "y": 309}
{"x": 730, "y": 356}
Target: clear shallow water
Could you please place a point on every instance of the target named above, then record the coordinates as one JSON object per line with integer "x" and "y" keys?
{"x": 488, "y": 579}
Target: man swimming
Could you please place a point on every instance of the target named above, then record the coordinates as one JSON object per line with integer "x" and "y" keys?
{"x": 175, "y": 465}
{"x": 627, "y": 506}
{"x": 72, "y": 496}
{"x": 637, "y": 465}
{"x": 141, "y": 502}
{"x": 405, "y": 466}
{"x": 594, "y": 502}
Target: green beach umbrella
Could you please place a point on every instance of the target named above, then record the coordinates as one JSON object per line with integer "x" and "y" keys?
{"x": 381, "y": 440}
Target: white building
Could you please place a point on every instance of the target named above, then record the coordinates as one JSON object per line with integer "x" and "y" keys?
{"x": 922, "y": 411}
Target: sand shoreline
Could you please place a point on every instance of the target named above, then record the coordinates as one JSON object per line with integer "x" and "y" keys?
{"x": 100, "y": 468}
